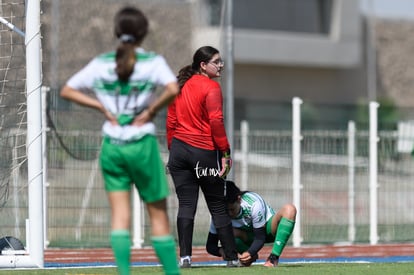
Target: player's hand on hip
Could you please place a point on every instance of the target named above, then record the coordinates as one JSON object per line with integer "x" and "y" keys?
{"x": 142, "y": 118}
{"x": 110, "y": 117}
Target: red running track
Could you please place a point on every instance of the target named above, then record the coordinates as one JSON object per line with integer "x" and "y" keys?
{"x": 147, "y": 255}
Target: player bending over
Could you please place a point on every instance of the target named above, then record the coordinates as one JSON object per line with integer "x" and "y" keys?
{"x": 254, "y": 224}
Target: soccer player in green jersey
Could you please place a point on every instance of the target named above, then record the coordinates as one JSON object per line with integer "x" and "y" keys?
{"x": 124, "y": 83}
{"x": 254, "y": 224}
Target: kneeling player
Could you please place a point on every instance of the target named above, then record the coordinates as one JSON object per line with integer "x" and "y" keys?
{"x": 254, "y": 224}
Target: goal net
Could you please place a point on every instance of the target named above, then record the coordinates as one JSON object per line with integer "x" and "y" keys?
{"x": 20, "y": 184}
{"x": 12, "y": 121}
{"x": 75, "y": 211}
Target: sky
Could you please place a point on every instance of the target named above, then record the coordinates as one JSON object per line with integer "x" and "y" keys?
{"x": 397, "y": 9}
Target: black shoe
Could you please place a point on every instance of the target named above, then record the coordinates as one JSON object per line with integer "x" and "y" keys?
{"x": 185, "y": 263}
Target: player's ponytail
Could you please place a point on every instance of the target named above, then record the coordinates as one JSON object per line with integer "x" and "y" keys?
{"x": 125, "y": 59}
{"x": 131, "y": 27}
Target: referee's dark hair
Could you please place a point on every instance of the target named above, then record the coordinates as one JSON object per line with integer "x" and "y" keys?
{"x": 203, "y": 54}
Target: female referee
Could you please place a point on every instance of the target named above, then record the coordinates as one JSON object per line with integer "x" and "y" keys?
{"x": 199, "y": 151}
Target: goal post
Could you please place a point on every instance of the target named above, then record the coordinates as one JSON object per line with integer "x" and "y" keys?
{"x": 34, "y": 131}
{"x": 33, "y": 256}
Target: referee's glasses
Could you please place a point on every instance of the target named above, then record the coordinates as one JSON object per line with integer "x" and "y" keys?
{"x": 217, "y": 62}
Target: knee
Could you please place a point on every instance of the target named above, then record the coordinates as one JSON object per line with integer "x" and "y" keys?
{"x": 289, "y": 211}
{"x": 186, "y": 213}
{"x": 221, "y": 221}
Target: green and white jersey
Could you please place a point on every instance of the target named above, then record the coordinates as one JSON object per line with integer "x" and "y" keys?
{"x": 124, "y": 100}
{"x": 254, "y": 213}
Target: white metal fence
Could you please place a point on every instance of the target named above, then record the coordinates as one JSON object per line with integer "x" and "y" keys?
{"x": 337, "y": 198}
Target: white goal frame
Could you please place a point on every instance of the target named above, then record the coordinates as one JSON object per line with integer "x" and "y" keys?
{"x": 33, "y": 256}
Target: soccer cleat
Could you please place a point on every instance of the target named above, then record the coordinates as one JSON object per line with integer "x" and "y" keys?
{"x": 272, "y": 261}
{"x": 234, "y": 263}
{"x": 185, "y": 262}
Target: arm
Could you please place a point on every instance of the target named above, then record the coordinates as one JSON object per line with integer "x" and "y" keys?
{"x": 214, "y": 102}
{"x": 78, "y": 97}
{"x": 164, "y": 77}
{"x": 83, "y": 80}
{"x": 259, "y": 240}
{"x": 257, "y": 244}
{"x": 171, "y": 123}
{"x": 170, "y": 92}
{"x": 258, "y": 215}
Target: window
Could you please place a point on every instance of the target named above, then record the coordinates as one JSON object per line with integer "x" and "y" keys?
{"x": 310, "y": 16}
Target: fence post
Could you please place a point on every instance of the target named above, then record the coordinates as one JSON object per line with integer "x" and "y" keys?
{"x": 45, "y": 90}
{"x": 351, "y": 181}
{"x": 137, "y": 220}
{"x": 244, "y": 127}
{"x": 296, "y": 141}
{"x": 373, "y": 172}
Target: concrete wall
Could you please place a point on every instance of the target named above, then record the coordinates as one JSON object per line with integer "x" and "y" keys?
{"x": 278, "y": 65}
{"x": 271, "y": 67}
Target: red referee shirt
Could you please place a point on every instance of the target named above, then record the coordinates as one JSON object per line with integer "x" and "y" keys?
{"x": 196, "y": 115}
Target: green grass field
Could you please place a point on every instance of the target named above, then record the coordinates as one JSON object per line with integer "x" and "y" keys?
{"x": 291, "y": 269}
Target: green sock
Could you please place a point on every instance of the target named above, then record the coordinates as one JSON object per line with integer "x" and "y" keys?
{"x": 121, "y": 246}
{"x": 164, "y": 247}
{"x": 241, "y": 246}
{"x": 283, "y": 232}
